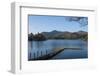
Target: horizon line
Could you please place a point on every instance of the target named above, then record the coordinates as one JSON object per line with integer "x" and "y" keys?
{"x": 59, "y": 31}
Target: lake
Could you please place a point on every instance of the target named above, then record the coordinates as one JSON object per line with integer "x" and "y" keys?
{"x": 41, "y": 48}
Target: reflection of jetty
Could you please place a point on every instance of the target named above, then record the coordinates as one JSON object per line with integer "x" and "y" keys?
{"x": 52, "y": 54}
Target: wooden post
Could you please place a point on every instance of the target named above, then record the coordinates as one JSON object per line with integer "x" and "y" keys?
{"x": 37, "y": 54}
{"x": 46, "y": 52}
{"x": 34, "y": 55}
{"x": 41, "y": 53}
{"x": 30, "y": 55}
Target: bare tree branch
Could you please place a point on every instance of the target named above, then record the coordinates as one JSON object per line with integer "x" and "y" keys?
{"x": 83, "y": 21}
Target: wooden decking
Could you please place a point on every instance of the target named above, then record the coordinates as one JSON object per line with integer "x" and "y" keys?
{"x": 54, "y": 53}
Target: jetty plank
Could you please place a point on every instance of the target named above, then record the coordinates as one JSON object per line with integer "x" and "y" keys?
{"x": 54, "y": 53}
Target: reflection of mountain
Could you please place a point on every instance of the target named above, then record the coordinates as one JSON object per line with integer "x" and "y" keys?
{"x": 59, "y": 35}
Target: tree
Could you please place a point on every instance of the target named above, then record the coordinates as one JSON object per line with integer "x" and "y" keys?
{"x": 83, "y": 21}
{"x": 36, "y": 37}
{"x": 30, "y": 36}
{"x": 39, "y": 37}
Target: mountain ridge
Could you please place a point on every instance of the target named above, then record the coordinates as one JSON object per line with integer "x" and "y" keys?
{"x": 58, "y": 35}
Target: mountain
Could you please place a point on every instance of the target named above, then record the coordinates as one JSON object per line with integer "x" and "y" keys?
{"x": 64, "y": 35}
{"x": 59, "y": 35}
{"x": 51, "y": 34}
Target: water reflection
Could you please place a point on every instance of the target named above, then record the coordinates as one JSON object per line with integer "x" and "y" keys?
{"x": 38, "y": 48}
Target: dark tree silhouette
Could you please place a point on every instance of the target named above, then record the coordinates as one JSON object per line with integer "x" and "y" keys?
{"x": 30, "y": 36}
{"x": 36, "y": 37}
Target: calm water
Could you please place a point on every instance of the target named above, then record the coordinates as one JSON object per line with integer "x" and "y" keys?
{"x": 41, "y": 48}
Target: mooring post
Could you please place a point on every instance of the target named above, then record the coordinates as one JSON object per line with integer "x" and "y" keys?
{"x": 46, "y": 52}
{"x": 34, "y": 55}
{"x": 30, "y": 55}
{"x": 41, "y": 53}
{"x": 37, "y": 54}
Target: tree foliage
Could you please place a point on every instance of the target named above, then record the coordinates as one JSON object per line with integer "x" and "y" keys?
{"x": 83, "y": 21}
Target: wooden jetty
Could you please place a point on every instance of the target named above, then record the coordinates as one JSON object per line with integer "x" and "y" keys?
{"x": 54, "y": 53}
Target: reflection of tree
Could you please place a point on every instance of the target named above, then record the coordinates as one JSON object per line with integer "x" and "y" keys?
{"x": 81, "y": 20}
{"x": 39, "y": 44}
{"x": 31, "y": 44}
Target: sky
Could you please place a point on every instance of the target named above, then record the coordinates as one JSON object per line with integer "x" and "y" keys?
{"x": 39, "y": 23}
